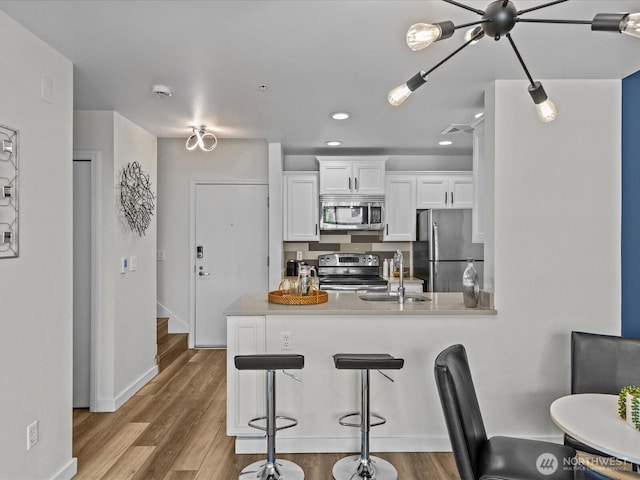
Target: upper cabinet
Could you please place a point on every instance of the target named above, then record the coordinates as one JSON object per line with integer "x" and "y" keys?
{"x": 301, "y": 207}
{"x": 400, "y": 199}
{"x": 444, "y": 190}
{"x": 352, "y": 175}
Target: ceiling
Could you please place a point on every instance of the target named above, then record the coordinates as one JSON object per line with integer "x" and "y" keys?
{"x": 316, "y": 57}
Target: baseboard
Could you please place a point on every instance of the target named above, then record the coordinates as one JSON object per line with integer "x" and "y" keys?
{"x": 176, "y": 324}
{"x": 113, "y": 404}
{"x": 252, "y": 444}
{"x": 258, "y": 444}
{"x": 68, "y": 472}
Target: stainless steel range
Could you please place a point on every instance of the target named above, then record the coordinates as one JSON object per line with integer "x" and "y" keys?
{"x": 350, "y": 272}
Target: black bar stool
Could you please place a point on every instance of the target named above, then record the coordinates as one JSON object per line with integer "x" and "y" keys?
{"x": 365, "y": 465}
{"x": 272, "y": 469}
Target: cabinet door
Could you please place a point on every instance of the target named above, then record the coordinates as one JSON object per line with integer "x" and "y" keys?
{"x": 301, "y": 208}
{"x": 461, "y": 191}
{"x": 245, "y": 389}
{"x": 335, "y": 177}
{"x": 368, "y": 178}
{"x": 432, "y": 191}
{"x": 400, "y": 208}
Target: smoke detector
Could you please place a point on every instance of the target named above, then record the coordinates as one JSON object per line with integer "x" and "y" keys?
{"x": 457, "y": 128}
{"x": 161, "y": 91}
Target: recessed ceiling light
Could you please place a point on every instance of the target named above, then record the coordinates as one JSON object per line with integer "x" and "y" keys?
{"x": 340, "y": 115}
{"x": 333, "y": 143}
{"x": 478, "y": 115}
{"x": 445, "y": 142}
{"x": 263, "y": 87}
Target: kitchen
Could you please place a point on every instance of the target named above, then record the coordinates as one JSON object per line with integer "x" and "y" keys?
{"x": 548, "y": 217}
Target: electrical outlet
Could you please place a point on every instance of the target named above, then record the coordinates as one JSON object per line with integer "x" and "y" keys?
{"x": 286, "y": 341}
{"x": 298, "y": 255}
{"x": 32, "y": 435}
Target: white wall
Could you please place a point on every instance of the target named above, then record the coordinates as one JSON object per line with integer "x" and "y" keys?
{"x": 127, "y": 332}
{"x": 36, "y": 288}
{"x": 395, "y": 163}
{"x": 556, "y": 244}
{"x": 232, "y": 160}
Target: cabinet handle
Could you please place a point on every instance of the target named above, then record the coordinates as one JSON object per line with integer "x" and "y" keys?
{"x": 356, "y": 183}
{"x": 387, "y": 229}
{"x": 316, "y": 229}
{"x": 451, "y": 198}
{"x": 445, "y": 198}
{"x": 349, "y": 183}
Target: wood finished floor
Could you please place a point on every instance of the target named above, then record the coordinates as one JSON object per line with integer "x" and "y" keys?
{"x": 174, "y": 429}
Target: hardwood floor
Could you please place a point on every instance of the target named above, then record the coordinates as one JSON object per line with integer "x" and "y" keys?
{"x": 174, "y": 429}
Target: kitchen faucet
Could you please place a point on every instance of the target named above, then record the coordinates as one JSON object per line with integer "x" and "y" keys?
{"x": 399, "y": 260}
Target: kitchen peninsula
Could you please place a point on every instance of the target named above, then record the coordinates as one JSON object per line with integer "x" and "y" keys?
{"x": 415, "y": 331}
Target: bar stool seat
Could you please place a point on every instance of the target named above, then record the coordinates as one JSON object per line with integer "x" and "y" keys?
{"x": 365, "y": 466}
{"x": 271, "y": 469}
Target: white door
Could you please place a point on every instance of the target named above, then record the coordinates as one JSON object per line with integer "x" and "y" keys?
{"x": 231, "y": 245}
{"x": 81, "y": 283}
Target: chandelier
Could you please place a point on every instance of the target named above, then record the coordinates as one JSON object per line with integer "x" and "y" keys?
{"x": 496, "y": 22}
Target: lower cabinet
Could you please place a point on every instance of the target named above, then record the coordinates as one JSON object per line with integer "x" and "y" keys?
{"x": 245, "y": 335}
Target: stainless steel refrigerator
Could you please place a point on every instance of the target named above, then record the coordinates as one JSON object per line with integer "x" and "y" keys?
{"x": 442, "y": 247}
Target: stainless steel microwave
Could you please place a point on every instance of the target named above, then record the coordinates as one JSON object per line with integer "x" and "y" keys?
{"x": 351, "y": 212}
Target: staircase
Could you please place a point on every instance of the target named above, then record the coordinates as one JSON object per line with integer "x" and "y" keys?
{"x": 170, "y": 346}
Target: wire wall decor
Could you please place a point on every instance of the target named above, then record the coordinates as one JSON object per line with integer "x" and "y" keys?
{"x": 136, "y": 197}
{"x": 8, "y": 192}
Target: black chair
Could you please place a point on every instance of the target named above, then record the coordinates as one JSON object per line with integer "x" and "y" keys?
{"x": 479, "y": 457}
{"x": 602, "y": 364}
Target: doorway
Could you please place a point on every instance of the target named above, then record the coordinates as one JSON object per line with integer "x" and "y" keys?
{"x": 231, "y": 241}
{"x": 86, "y": 266}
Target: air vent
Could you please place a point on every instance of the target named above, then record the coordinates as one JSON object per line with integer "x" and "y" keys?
{"x": 457, "y": 128}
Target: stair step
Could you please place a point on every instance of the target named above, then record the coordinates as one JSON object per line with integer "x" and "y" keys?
{"x": 170, "y": 348}
{"x": 162, "y": 329}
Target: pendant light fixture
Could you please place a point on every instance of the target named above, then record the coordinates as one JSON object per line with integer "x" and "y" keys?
{"x": 207, "y": 141}
{"x": 496, "y": 22}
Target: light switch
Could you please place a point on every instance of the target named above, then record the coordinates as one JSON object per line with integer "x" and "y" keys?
{"x": 161, "y": 255}
{"x": 133, "y": 265}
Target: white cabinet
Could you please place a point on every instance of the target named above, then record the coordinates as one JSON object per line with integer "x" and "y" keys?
{"x": 352, "y": 175}
{"x": 400, "y": 204}
{"x": 245, "y": 336}
{"x": 301, "y": 207}
{"x": 444, "y": 190}
{"x": 479, "y": 184}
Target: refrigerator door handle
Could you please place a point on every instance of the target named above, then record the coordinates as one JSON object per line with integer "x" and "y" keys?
{"x": 436, "y": 247}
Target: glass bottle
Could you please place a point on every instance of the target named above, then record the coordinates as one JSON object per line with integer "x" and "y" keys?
{"x": 470, "y": 285}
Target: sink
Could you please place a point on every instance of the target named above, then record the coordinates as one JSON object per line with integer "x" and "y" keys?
{"x": 386, "y": 297}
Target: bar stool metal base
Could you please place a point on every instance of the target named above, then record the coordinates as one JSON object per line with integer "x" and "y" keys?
{"x": 352, "y": 468}
{"x": 280, "y": 470}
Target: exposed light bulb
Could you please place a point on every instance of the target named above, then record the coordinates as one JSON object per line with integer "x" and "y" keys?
{"x": 631, "y": 25}
{"x": 547, "y": 111}
{"x": 399, "y": 94}
{"x": 421, "y": 35}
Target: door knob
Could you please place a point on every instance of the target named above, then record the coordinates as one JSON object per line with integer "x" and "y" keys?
{"x": 203, "y": 274}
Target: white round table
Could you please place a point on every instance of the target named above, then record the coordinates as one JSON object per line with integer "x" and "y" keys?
{"x": 592, "y": 418}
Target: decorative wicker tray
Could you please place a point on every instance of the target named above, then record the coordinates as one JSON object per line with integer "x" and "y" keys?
{"x": 278, "y": 296}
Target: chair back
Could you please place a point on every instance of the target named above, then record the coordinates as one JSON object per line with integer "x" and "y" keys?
{"x": 603, "y": 363}
{"x": 461, "y": 410}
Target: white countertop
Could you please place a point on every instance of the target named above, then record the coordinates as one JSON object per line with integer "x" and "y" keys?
{"x": 347, "y": 303}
